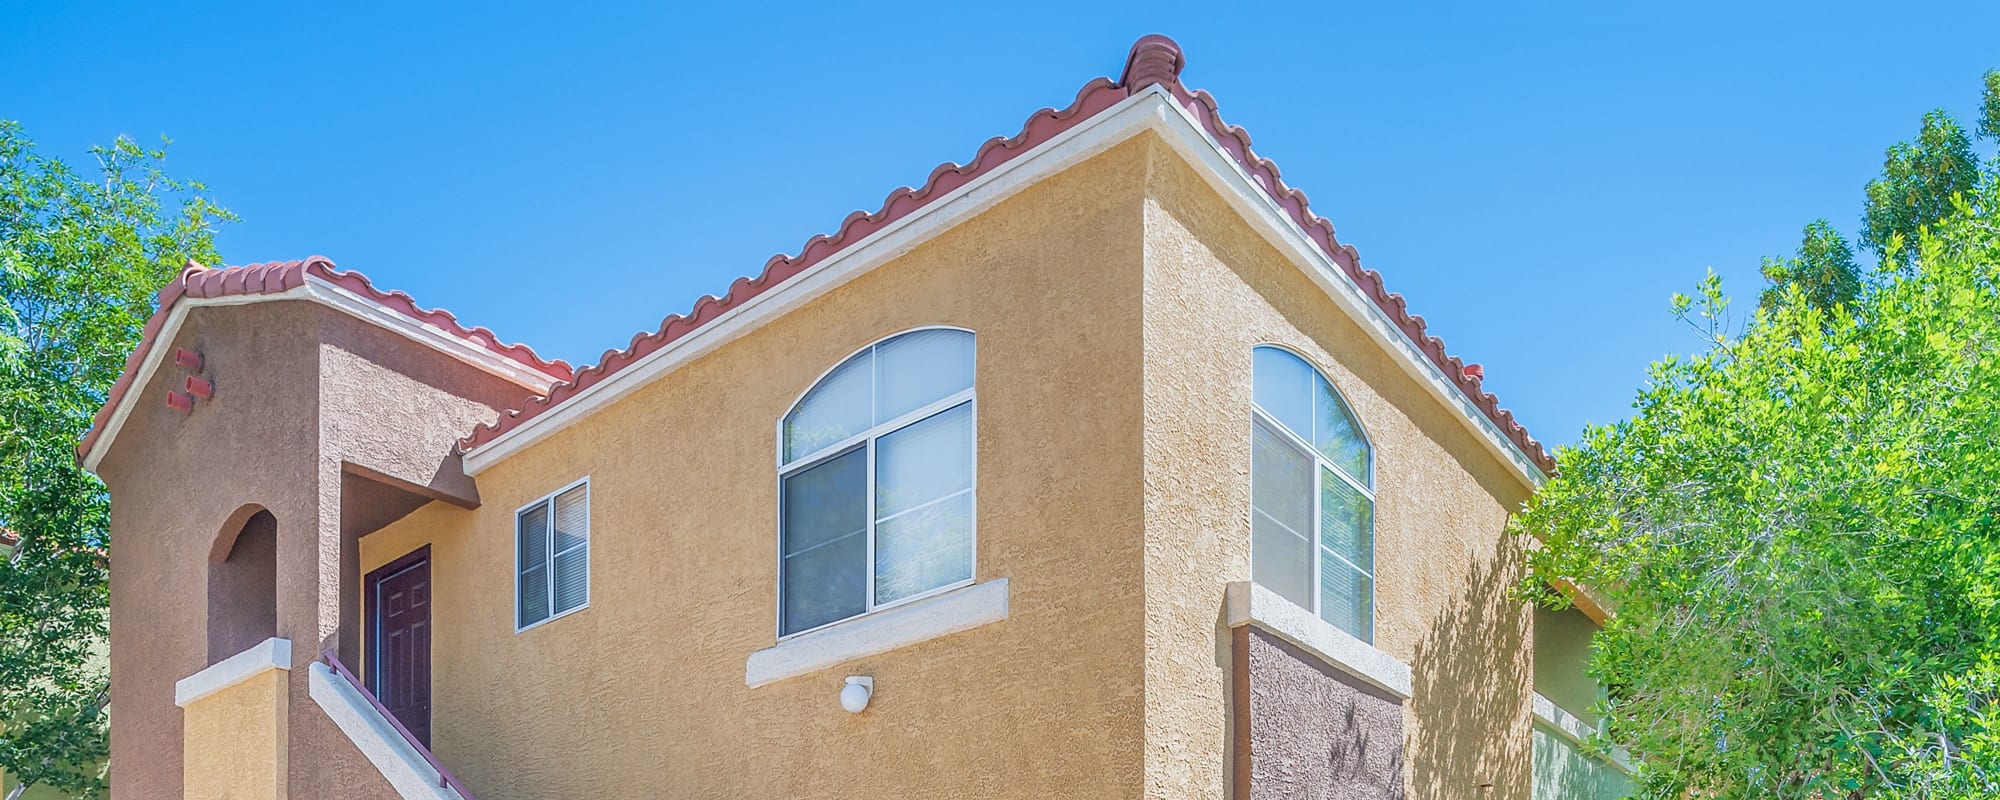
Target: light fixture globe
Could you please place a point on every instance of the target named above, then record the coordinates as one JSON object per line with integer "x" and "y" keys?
{"x": 854, "y": 696}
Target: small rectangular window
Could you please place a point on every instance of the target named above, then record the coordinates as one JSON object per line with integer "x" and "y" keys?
{"x": 552, "y": 556}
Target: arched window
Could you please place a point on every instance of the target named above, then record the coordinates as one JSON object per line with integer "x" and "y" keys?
{"x": 1312, "y": 498}
{"x": 876, "y": 489}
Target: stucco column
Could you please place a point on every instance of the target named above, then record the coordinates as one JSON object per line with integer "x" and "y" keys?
{"x": 235, "y": 719}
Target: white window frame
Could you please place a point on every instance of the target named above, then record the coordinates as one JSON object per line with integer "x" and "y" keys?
{"x": 1269, "y": 421}
{"x": 866, "y": 439}
{"x": 589, "y": 538}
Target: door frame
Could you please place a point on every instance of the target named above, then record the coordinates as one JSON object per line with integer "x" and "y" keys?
{"x": 371, "y": 610}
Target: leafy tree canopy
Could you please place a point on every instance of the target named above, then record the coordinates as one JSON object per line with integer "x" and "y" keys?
{"x": 81, "y": 256}
{"x": 1799, "y": 528}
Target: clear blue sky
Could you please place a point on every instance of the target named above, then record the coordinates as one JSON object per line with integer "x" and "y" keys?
{"x": 1536, "y": 177}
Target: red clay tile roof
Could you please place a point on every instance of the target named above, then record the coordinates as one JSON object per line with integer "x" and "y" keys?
{"x": 275, "y": 277}
{"x": 1154, "y": 59}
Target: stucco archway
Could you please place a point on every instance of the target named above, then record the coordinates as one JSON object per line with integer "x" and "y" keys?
{"x": 243, "y": 583}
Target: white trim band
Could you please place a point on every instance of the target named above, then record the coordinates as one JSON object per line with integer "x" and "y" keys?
{"x": 1571, "y": 728}
{"x": 879, "y": 632}
{"x": 270, "y": 654}
{"x": 1246, "y": 603}
{"x": 405, "y": 769}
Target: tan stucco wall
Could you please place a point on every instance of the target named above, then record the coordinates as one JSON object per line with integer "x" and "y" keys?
{"x": 236, "y": 741}
{"x": 1562, "y": 660}
{"x": 642, "y": 694}
{"x": 1214, "y": 289}
{"x": 265, "y": 440}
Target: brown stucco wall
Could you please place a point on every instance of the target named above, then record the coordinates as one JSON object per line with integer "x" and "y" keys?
{"x": 275, "y": 437}
{"x": 1313, "y": 731}
{"x": 237, "y": 740}
{"x": 642, "y": 694}
{"x": 1214, "y": 289}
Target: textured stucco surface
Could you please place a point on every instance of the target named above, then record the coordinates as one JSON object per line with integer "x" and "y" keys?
{"x": 237, "y": 741}
{"x": 1562, "y": 661}
{"x": 642, "y": 694}
{"x": 1214, "y": 289}
{"x": 269, "y": 439}
{"x": 1315, "y": 732}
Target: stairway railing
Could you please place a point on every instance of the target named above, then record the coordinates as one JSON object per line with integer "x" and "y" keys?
{"x": 445, "y": 778}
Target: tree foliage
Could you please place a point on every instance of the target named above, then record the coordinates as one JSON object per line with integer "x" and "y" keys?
{"x": 1823, "y": 273}
{"x": 81, "y": 256}
{"x": 1918, "y": 180}
{"x": 1799, "y": 528}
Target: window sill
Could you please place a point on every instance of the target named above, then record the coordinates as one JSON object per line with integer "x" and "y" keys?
{"x": 879, "y": 632}
{"x": 1247, "y": 603}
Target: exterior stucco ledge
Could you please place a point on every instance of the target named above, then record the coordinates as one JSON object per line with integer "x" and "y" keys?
{"x": 266, "y": 655}
{"x": 377, "y": 739}
{"x": 1246, "y": 603}
{"x": 1568, "y": 726}
{"x": 880, "y": 632}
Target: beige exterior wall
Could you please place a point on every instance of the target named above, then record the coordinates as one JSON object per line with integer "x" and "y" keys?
{"x": 268, "y": 440}
{"x": 237, "y": 741}
{"x": 1214, "y": 289}
{"x": 642, "y": 694}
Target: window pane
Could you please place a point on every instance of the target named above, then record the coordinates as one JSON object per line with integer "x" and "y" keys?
{"x": 1281, "y": 480}
{"x": 572, "y": 518}
{"x": 532, "y": 531}
{"x": 572, "y": 580}
{"x": 920, "y": 368}
{"x": 924, "y": 549}
{"x": 923, "y": 462}
{"x": 1337, "y": 434}
{"x": 1346, "y": 598}
{"x": 838, "y": 407}
{"x": 826, "y": 502}
{"x": 1284, "y": 388}
{"x": 1346, "y": 521}
{"x": 534, "y": 596}
{"x": 825, "y": 584}
{"x": 1281, "y": 513}
{"x": 824, "y": 572}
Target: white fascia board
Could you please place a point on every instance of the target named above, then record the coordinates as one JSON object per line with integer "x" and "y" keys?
{"x": 267, "y": 655}
{"x": 1151, "y": 110}
{"x": 1246, "y": 603}
{"x": 879, "y": 632}
{"x": 325, "y": 293}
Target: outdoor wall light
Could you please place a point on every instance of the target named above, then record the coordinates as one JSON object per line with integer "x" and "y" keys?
{"x": 854, "y": 696}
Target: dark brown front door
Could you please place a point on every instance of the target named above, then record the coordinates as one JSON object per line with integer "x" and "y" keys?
{"x": 399, "y": 647}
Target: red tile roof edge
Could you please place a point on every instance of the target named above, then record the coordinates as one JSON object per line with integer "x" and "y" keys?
{"x": 197, "y": 281}
{"x": 1154, "y": 59}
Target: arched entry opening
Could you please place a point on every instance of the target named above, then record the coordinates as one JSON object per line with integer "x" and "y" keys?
{"x": 243, "y": 583}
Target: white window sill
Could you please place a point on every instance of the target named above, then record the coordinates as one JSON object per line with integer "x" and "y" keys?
{"x": 1247, "y": 603}
{"x": 262, "y": 657}
{"x": 879, "y": 632}
{"x": 1568, "y": 726}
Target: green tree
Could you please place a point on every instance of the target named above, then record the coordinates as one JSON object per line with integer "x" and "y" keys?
{"x": 1917, "y": 183}
{"x": 81, "y": 256}
{"x": 1800, "y": 532}
{"x": 1823, "y": 271}
{"x": 1989, "y": 116}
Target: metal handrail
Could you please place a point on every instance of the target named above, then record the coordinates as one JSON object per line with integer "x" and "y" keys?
{"x": 445, "y": 778}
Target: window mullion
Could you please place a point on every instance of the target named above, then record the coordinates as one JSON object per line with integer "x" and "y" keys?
{"x": 868, "y": 569}
{"x": 1312, "y": 538}
{"x": 549, "y": 555}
